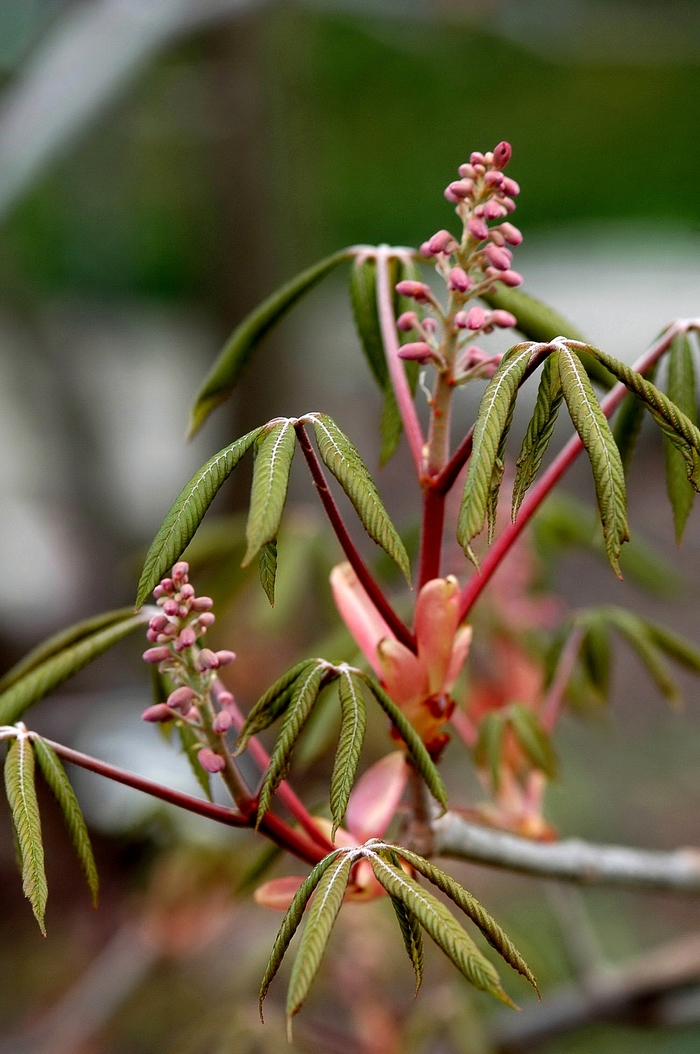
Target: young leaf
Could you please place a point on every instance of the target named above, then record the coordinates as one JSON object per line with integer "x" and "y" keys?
{"x": 343, "y": 460}
{"x": 596, "y": 656}
{"x": 363, "y": 296}
{"x": 412, "y": 938}
{"x": 492, "y": 423}
{"x": 179, "y": 526}
{"x": 271, "y": 704}
{"x": 306, "y": 689}
{"x": 487, "y": 752}
{"x": 594, "y": 431}
{"x": 685, "y": 652}
{"x": 191, "y": 745}
{"x": 474, "y": 909}
{"x": 43, "y": 678}
{"x": 59, "y": 784}
{"x": 268, "y": 495}
{"x": 224, "y": 374}
{"x": 441, "y": 926}
{"x": 539, "y": 431}
{"x": 532, "y": 738}
{"x": 680, "y": 387}
{"x": 416, "y": 748}
{"x": 352, "y": 734}
{"x": 638, "y": 636}
{"x": 322, "y": 915}
{"x": 291, "y": 921}
{"x": 268, "y": 569}
{"x": 21, "y": 794}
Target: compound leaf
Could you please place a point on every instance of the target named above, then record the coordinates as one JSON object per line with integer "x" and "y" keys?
{"x": 635, "y": 630}
{"x": 271, "y": 704}
{"x": 21, "y": 794}
{"x": 352, "y": 734}
{"x": 268, "y": 494}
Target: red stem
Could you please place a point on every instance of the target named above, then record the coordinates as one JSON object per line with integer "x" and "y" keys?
{"x": 551, "y": 708}
{"x": 398, "y": 628}
{"x": 431, "y": 534}
{"x": 277, "y": 830}
{"x": 566, "y": 457}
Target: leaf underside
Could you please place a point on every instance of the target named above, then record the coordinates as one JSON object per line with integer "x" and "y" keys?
{"x": 273, "y": 463}
{"x": 539, "y": 432}
{"x": 21, "y": 794}
{"x": 268, "y": 569}
{"x": 352, "y": 734}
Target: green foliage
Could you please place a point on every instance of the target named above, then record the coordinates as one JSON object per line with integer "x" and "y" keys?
{"x": 596, "y": 657}
{"x": 487, "y": 751}
{"x": 268, "y": 569}
{"x": 273, "y": 463}
{"x": 21, "y": 794}
{"x": 532, "y": 738}
{"x": 191, "y": 745}
{"x": 352, "y": 734}
{"x": 412, "y": 935}
{"x": 225, "y": 372}
{"x": 271, "y": 704}
{"x": 343, "y": 460}
{"x": 539, "y": 432}
{"x": 179, "y": 526}
{"x": 46, "y": 675}
{"x": 627, "y": 428}
{"x": 491, "y": 428}
{"x": 57, "y": 780}
{"x": 681, "y": 391}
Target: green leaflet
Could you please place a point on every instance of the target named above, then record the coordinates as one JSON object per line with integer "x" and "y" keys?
{"x": 416, "y": 748}
{"x": 492, "y": 423}
{"x": 390, "y": 427}
{"x": 268, "y": 569}
{"x": 628, "y": 425}
{"x": 179, "y": 526}
{"x": 306, "y": 689}
{"x": 363, "y": 296}
{"x": 541, "y": 323}
{"x": 21, "y": 794}
{"x": 343, "y": 460}
{"x": 224, "y": 374}
{"x": 271, "y": 704}
{"x": 487, "y": 752}
{"x": 268, "y": 494}
{"x": 594, "y": 432}
{"x": 539, "y": 431}
{"x": 441, "y": 926}
{"x": 596, "y": 656}
{"x": 352, "y": 734}
{"x": 635, "y": 630}
{"x": 61, "y": 640}
{"x": 291, "y": 921}
{"x": 682, "y": 651}
{"x": 532, "y": 738}
{"x": 191, "y": 745}
{"x": 322, "y": 915}
{"x": 680, "y": 387}
{"x": 55, "y": 776}
{"x": 412, "y": 938}
{"x": 493, "y": 933}
{"x": 43, "y": 678}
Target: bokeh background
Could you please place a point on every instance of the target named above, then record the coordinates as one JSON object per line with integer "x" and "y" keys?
{"x": 164, "y": 164}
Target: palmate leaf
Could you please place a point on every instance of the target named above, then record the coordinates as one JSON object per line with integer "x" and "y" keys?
{"x": 440, "y": 925}
{"x": 352, "y": 734}
{"x": 493, "y": 933}
{"x": 594, "y": 432}
{"x": 59, "y": 784}
{"x": 290, "y": 922}
{"x": 268, "y": 569}
{"x": 539, "y": 431}
{"x": 532, "y": 738}
{"x": 306, "y": 690}
{"x": 492, "y": 423}
{"x": 47, "y": 675}
{"x": 680, "y": 388}
{"x": 419, "y": 755}
{"x": 21, "y": 794}
{"x": 224, "y": 374}
{"x": 344, "y": 461}
{"x": 187, "y": 512}
{"x": 268, "y": 494}
{"x": 412, "y": 938}
{"x": 322, "y": 915}
{"x": 271, "y": 704}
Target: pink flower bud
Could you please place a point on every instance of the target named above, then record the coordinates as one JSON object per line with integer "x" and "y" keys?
{"x": 442, "y": 242}
{"x": 488, "y": 157}
{"x": 158, "y": 623}
{"x": 187, "y": 637}
{"x": 152, "y": 635}
{"x": 180, "y": 571}
{"x": 511, "y": 278}
{"x": 187, "y": 592}
{"x": 511, "y": 188}
{"x": 466, "y": 171}
{"x": 181, "y": 699}
{"x": 459, "y": 280}
{"x": 476, "y": 158}
{"x": 504, "y": 319}
{"x": 476, "y": 317}
{"x": 167, "y": 585}
{"x": 225, "y": 657}
{"x": 225, "y": 699}
{"x": 202, "y": 604}
{"x": 511, "y": 234}
{"x": 449, "y": 196}
{"x": 183, "y": 610}
{"x": 418, "y": 351}
{"x": 210, "y": 761}
{"x": 171, "y": 629}
{"x": 478, "y": 229}
{"x": 416, "y": 290}
{"x": 508, "y": 205}
{"x": 493, "y": 210}
{"x": 207, "y": 619}
{"x": 473, "y": 356}
{"x": 222, "y": 722}
{"x": 502, "y": 154}
{"x": 500, "y": 258}
{"x": 171, "y": 607}
{"x": 461, "y": 188}
{"x": 429, "y": 325}
{"x": 479, "y": 170}
{"x": 156, "y": 655}
{"x": 461, "y": 320}
{"x": 407, "y": 321}
{"x": 496, "y": 236}
{"x": 158, "y": 592}
{"x": 159, "y": 712}
{"x": 494, "y": 179}
{"x": 207, "y": 660}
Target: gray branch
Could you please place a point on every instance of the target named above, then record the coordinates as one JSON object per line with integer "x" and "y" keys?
{"x": 572, "y": 860}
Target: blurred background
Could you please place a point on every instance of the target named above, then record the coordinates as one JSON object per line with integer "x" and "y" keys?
{"x": 164, "y": 164}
